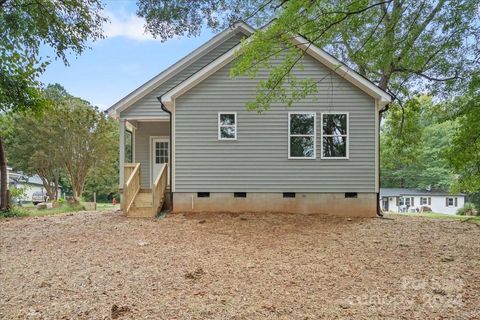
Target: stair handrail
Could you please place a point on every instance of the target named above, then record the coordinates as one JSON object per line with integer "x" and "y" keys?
{"x": 159, "y": 188}
{"x": 131, "y": 188}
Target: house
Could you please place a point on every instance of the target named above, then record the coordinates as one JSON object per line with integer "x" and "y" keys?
{"x": 31, "y": 184}
{"x": 407, "y": 200}
{"x": 196, "y": 147}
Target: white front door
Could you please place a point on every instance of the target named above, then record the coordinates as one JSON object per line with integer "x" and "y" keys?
{"x": 160, "y": 153}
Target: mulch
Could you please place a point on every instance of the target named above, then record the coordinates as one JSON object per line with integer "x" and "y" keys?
{"x": 92, "y": 265}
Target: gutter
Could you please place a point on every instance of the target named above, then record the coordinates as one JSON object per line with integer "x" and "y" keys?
{"x": 162, "y": 106}
{"x": 379, "y": 210}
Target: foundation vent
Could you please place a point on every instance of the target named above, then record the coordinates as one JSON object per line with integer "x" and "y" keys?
{"x": 239, "y": 194}
{"x": 203, "y": 194}
{"x": 351, "y": 195}
{"x": 289, "y": 194}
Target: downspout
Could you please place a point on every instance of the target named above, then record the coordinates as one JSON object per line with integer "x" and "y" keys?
{"x": 159, "y": 98}
{"x": 379, "y": 210}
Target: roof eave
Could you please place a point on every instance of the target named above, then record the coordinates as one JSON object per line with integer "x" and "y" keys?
{"x": 115, "y": 110}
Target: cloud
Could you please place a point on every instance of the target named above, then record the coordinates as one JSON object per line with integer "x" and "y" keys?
{"x": 129, "y": 25}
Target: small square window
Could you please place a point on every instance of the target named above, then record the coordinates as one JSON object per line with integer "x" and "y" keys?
{"x": 227, "y": 126}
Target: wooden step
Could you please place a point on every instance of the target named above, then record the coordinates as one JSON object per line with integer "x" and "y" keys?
{"x": 141, "y": 213}
{"x": 143, "y": 200}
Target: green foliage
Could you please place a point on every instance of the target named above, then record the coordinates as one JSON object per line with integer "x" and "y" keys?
{"x": 15, "y": 211}
{"x": 464, "y": 151}
{"x": 27, "y": 25}
{"x": 18, "y": 192}
{"x": 403, "y": 46}
{"x": 413, "y": 143}
{"x": 169, "y": 18}
{"x": 468, "y": 209}
{"x": 103, "y": 181}
{"x": 69, "y": 138}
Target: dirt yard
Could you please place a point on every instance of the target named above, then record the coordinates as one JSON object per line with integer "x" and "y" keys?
{"x": 276, "y": 266}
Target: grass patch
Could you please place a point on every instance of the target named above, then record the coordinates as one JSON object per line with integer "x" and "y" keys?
{"x": 29, "y": 210}
{"x": 433, "y": 215}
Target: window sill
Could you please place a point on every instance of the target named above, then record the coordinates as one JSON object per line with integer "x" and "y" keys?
{"x": 335, "y": 158}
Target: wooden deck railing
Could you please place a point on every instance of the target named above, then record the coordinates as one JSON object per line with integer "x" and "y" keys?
{"x": 159, "y": 188}
{"x": 127, "y": 170}
{"x": 131, "y": 187}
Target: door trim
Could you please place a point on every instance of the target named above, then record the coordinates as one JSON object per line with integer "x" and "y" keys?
{"x": 150, "y": 155}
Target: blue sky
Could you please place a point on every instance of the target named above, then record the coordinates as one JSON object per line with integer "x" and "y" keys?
{"x": 117, "y": 65}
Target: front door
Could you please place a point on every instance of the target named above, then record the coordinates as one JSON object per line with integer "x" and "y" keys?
{"x": 160, "y": 153}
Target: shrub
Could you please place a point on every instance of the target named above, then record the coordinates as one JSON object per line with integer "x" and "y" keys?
{"x": 15, "y": 211}
{"x": 467, "y": 210}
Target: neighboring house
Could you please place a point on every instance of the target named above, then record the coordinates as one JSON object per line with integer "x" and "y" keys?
{"x": 31, "y": 184}
{"x": 408, "y": 200}
{"x": 318, "y": 156}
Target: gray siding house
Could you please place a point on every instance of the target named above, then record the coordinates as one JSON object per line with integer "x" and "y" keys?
{"x": 188, "y": 135}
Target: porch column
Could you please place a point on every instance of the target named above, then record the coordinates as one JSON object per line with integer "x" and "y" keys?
{"x": 122, "y": 153}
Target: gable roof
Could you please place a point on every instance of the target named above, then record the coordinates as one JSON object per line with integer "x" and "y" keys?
{"x": 398, "y": 192}
{"x": 174, "y": 69}
{"x": 320, "y": 55}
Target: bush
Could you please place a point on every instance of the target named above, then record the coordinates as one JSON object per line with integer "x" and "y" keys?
{"x": 467, "y": 210}
{"x": 15, "y": 211}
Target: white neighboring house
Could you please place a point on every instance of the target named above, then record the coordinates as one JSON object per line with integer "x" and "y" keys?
{"x": 30, "y": 183}
{"x": 408, "y": 200}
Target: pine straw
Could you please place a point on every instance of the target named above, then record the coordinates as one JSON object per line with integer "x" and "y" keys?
{"x": 222, "y": 266}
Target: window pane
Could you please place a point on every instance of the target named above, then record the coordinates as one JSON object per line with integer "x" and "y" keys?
{"x": 227, "y": 119}
{"x": 334, "y": 146}
{"x": 227, "y": 132}
{"x": 128, "y": 147}
{"x": 301, "y": 147}
{"x": 335, "y": 124}
{"x": 302, "y": 123}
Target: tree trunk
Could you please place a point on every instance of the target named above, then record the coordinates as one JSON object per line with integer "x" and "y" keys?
{"x": 4, "y": 203}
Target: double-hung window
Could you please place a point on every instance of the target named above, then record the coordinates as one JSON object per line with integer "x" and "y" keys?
{"x": 450, "y": 202}
{"x": 335, "y": 135}
{"x": 227, "y": 126}
{"x": 301, "y": 135}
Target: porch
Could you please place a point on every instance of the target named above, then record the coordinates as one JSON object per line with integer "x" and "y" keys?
{"x": 144, "y": 170}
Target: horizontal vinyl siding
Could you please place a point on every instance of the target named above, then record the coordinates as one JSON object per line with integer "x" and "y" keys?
{"x": 144, "y": 131}
{"x": 258, "y": 160}
{"x": 149, "y": 106}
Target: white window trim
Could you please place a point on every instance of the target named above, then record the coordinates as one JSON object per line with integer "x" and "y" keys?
{"x": 404, "y": 200}
{"x": 220, "y": 125}
{"x": 347, "y": 155}
{"x": 303, "y": 135}
{"x": 426, "y": 201}
{"x": 448, "y": 202}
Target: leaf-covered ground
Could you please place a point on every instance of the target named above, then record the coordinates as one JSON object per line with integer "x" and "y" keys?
{"x": 222, "y": 266}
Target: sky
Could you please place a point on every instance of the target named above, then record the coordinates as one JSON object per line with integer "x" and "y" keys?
{"x": 119, "y": 64}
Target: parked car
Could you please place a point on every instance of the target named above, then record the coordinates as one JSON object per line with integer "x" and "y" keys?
{"x": 38, "y": 197}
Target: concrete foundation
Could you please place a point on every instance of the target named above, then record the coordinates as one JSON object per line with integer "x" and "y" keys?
{"x": 336, "y": 204}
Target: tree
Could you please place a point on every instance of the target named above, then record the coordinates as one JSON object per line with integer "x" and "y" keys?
{"x": 87, "y": 139}
{"x": 413, "y": 142}
{"x": 69, "y": 137}
{"x": 25, "y": 26}
{"x": 403, "y": 46}
{"x": 464, "y": 151}
{"x": 32, "y": 146}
